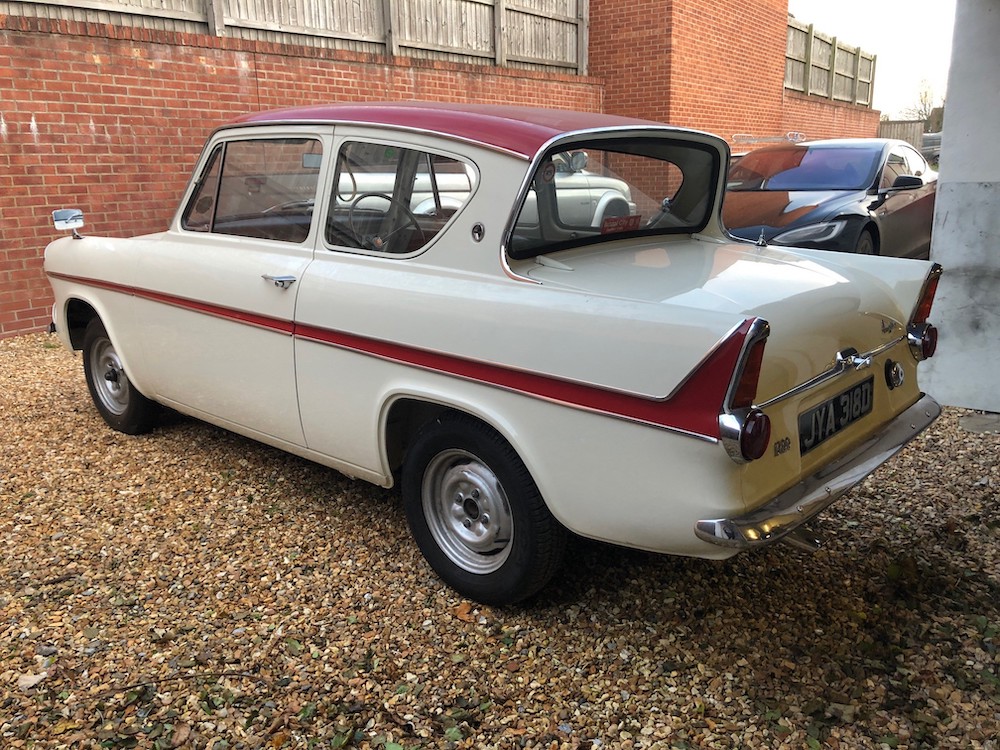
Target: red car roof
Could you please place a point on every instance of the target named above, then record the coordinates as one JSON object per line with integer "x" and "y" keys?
{"x": 521, "y": 130}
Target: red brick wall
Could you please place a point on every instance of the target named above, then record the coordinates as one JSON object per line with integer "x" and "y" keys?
{"x": 715, "y": 65}
{"x": 630, "y": 48}
{"x": 817, "y": 118}
{"x": 729, "y": 65}
{"x": 111, "y": 119}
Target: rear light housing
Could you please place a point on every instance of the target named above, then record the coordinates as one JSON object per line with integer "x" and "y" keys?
{"x": 922, "y": 339}
{"x": 744, "y": 429}
{"x": 921, "y": 335}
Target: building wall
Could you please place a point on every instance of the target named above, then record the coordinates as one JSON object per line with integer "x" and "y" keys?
{"x": 817, "y": 118}
{"x": 729, "y": 66}
{"x": 111, "y": 119}
{"x": 631, "y": 50}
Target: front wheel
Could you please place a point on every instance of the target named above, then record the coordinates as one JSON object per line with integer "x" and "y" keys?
{"x": 866, "y": 244}
{"x": 476, "y": 513}
{"x": 117, "y": 400}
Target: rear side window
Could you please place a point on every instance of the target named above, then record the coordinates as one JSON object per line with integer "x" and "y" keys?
{"x": 388, "y": 199}
{"x": 261, "y": 188}
{"x": 603, "y": 190}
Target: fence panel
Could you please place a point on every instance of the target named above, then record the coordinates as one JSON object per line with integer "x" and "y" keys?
{"x": 819, "y": 65}
{"x": 527, "y": 33}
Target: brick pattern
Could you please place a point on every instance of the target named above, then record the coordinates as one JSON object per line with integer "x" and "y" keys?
{"x": 110, "y": 119}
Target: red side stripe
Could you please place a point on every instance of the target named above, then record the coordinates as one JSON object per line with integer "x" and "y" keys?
{"x": 693, "y": 408}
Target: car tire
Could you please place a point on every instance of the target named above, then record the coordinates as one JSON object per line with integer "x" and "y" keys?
{"x": 118, "y": 401}
{"x": 866, "y": 243}
{"x": 476, "y": 514}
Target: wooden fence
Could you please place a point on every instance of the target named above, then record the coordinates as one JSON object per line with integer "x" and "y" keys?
{"x": 819, "y": 65}
{"x": 911, "y": 131}
{"x": 547, "y": 34}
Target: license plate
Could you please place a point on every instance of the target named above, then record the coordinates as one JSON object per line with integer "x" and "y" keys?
{"x": 824, "y": 421}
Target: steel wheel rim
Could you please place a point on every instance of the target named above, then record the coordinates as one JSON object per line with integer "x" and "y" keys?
{"x": 467, "y": 511}
{"x": 110, "y": 382}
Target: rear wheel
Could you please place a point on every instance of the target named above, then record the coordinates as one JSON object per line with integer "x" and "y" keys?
{"x": 476, "y": 513}
{"x": 117, "y": 400}
{"x": 866, "y": 243}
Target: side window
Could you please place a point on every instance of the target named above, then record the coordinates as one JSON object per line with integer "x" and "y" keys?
{"x": 895, "y": 166}
{"x": 915, "y": 163}
{"x": 596, "y": 191}
{"x": 200, "y": 209}
{"x": 391, "y": 199}
{"x": 262, "y": 188}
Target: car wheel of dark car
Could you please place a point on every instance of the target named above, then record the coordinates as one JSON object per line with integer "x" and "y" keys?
{"x": 866, "y": 244}
{"x": 476, "y": 513}
{"x": 120, "y": 404}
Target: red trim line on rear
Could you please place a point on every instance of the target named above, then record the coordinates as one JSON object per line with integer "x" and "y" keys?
{"x": 693, "y": 408}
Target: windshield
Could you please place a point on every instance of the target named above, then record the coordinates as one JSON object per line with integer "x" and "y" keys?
{"x": 607, "y": 189}
{"x": 806, "y": 168}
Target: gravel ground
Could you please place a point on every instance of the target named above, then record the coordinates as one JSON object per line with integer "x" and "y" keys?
{"x": 190, "y": 588}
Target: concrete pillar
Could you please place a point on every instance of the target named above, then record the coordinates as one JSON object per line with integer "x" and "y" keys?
{"x": 966, "y": 239}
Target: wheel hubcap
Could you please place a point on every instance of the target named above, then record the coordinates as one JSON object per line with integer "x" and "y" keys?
{"x": 110, "y": 382}
{"x": 467, "y": 511}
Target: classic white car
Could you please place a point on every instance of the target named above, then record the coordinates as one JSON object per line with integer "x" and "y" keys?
{"x": 524, "y": 357}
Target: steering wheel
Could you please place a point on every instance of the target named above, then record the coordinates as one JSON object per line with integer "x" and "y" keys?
{"x": 376, "y": 241}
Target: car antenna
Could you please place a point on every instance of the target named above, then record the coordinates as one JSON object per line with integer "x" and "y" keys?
{"x": 761, "y": 242}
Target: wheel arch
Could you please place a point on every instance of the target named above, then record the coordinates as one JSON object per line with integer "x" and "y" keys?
{"x": 405, "y": 413}
{"x": 78, "y": 314}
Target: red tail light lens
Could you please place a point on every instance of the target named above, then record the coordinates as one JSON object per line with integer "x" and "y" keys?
{"x": 923, "y": 340}
{"x": 755, "y": 435}
{"x": 923, "y": 309}
{"x": 929, "y": 344}
{"x": 746, "y": 388}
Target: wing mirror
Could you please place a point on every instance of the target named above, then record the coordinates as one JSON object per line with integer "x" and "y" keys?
{"x": 68, "y": 219}
{"x": 906, "y": 182}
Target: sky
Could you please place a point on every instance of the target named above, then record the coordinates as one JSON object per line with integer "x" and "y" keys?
{"x": 910, "y": 38}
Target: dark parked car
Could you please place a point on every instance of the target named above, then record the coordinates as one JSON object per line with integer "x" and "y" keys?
{"x": 864, "y": 195}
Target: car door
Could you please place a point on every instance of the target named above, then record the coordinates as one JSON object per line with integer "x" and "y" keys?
{"x": 364, "y": 274}
{"x": 905, "y": 216}
{"x": 216, "y": 296}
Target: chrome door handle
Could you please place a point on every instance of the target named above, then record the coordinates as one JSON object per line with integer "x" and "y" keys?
{"x": 280, "y": 281}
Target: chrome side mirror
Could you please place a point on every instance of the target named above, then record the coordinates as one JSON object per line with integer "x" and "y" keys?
{"x": 68, "y": 219}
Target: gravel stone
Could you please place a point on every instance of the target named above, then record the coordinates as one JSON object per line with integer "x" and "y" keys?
{"x": 193, "y": 589}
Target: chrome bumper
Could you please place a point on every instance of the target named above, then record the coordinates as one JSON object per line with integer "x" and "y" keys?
{"x": 798, "y": 504}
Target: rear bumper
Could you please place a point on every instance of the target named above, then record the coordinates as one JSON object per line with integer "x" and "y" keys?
{"x": 798, "y": 504}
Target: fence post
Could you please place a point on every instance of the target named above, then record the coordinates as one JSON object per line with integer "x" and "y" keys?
{"x": 216, "y": 18}
{"x": 499, "y": 32}
{"x": 807, "y": 83}
{"x": 391, "y": 45}
{"x": 833, "y": 69}
{"x": 582, "y": 36}
{"x": 857, "y": 75}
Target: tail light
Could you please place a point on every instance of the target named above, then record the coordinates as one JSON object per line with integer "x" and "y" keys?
{"x": 923, "y": 340}
{"x": 921, "y": 335}
{"x": 744, "y": 429}
{"x": 755, "y": 435}
{"x": 923, "y": 309}
{"x": 746, "y": 387}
